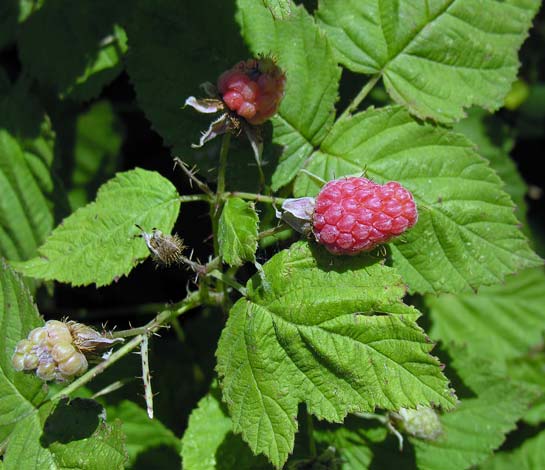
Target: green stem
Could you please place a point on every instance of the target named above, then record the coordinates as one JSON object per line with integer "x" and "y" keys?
{"x": 360, "y": 96}
{"x": 190, "y": 302}
{"x": 223, "y": 164}
{"x": 255, "y": 197}
{"x": 273, "y": 231}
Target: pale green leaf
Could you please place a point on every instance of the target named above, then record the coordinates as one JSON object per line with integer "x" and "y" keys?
{"x": 479, "y": 424}
{"x": 466, "y": 235}
{"x": 493, "y": 142}
{"x": 529, "y": 456}
{"x": 436, "y": 58}
{"x": 98, "y": 139}
{"x": 312, "y": 80}
{"x": 68, "y": 436}
{"x": 280, "y": 9}
{"x": 142, "y": 433}
{"x": 28, "y": 200}
{"x": 237, "y": 232}
{"x": 502, "y": 321}
{"x": 98, "y": 243}
{"x": 76, "y": 60}
{"x": 530, "y": 369}
{"x": 209, "y": 442}
{"x": 329, "y": 332}
{"x": 19, "y": 392}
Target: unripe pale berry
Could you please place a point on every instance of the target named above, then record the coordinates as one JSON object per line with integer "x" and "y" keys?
{"x": 18, "y": 362}
{"x": 62, "y": 351}
{"x": 46, "y": 371}
{"x": 24, "y": 346}
{"x": 30, "y": 361}
{"x": 76, "y": 364}
{"x": 57, "y": 332}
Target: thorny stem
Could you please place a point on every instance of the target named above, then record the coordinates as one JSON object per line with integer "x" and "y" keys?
{"x": 360, "y": 96}
{"x": 215, "y": 211}
{"x": 190, "y": 302}
{"x": 255, "y": 197}
{"x": 146, "y": 375}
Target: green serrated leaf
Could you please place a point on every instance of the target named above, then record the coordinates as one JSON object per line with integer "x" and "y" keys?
{"x": 281, "y": 347}
{"x": 493, "y": 142}
{"x": 12, "y": 13}
{"x": 530, "y": 369}
{"x": 68, "y": 436}
{"x": 307, "y": 110}
{"x": 280, "y": 9}
{"x": 529, "y": 456}
{"x": 237, "y": 232}
{"x": 209, "y": 442}
{"x": 99, "y": 135}
{"x": 142, "y": 433}
{"x": 18, "y": 316}
{"x": 502, "y": 321}
{"x": 498, "y": 405}
{"x": 466, "y": 235}
{"x": 29, "y": 195}
{"x": 98, "y": 243}
{"x": 79, "y": 59}
{"x": 436, "y": 58}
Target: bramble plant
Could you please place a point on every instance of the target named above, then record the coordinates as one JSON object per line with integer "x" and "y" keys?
{"x": 354, "y": 284}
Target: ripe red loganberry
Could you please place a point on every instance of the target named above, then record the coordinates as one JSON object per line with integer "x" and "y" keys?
{"x": 352, "y": 215}
{"x": 253, "y": 89}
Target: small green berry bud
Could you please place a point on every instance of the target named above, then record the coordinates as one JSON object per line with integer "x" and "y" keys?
{"x": 423, "y": 422}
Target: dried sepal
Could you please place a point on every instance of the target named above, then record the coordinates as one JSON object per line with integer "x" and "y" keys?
{"x": 165, "y": 249}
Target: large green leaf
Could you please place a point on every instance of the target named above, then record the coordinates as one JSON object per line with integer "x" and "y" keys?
{"x": 237, "y": 232}
{"x": 98, "y": 243}
{"x": 27, "y": 204}
{"x": 479, "y": 424}
{"x": 466, "y": 235}
{"x": 529, "y": 456}
{"x": 280, "y": 9}
{"x": 331, "y": 333}
{"x": 436, "y": 57}
{"x": 74, "y": 48}
{"x": 502, "y": 321}
{"x": 19, "y": 392}
{"x": 12, "y": 13}
{"x": 493, "y": 141}
{"x": 209, "y": 442}
{"x": 67, "y": 436}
